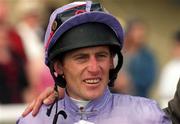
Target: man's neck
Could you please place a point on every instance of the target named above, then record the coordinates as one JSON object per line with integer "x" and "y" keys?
{"x": 80, "y": 103}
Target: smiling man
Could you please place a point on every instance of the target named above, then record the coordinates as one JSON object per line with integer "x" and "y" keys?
{"x": 81, "y": 42}
{"x": 86, "y": 72}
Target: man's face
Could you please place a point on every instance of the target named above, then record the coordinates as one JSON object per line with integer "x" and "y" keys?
{"x": 86, "y": 71}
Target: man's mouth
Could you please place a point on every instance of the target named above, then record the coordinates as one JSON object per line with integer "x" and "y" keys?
{"x": 92, "y": 81}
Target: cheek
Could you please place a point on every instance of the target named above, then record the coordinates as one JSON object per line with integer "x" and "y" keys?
{"x": 71, "y": 72}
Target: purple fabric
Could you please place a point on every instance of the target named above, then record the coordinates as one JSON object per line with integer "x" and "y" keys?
{"x": 109, "y": 109}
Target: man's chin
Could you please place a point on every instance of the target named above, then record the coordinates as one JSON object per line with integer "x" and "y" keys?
{"x": 93, "y": 96}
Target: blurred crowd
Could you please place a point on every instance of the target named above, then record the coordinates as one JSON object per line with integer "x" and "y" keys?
{"x": 23, "y": 74}
{"x": 22, "y": 69}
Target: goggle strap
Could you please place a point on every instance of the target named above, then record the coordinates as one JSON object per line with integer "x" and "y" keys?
{"x": 88, "y": 5}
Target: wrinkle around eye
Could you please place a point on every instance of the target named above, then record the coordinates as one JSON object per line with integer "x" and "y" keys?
{"x": 81, "y": 58}
{"x": 102, "y": 56}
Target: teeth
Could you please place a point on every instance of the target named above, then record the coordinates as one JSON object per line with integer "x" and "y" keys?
{"x": 92, "y": 81}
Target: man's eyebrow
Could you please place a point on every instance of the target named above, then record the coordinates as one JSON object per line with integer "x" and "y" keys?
{"x": 84, "y": 53}
{"x": 103, "y": 51}
{"x": 79, "y": 54}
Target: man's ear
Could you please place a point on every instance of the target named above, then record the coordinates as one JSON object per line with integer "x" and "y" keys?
{"x": 58, "y": 67}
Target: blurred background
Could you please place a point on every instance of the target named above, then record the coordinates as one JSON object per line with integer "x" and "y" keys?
{"x": 151, "y": 50}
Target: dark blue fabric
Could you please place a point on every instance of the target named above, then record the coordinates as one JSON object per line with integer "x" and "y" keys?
{"x": 142, "y": 69}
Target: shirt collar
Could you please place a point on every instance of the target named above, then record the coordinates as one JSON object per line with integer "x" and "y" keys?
{"x": 94, "y": 105}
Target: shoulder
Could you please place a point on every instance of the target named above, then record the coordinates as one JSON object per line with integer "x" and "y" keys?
{"x": 41, "y": 117}
{"x": 139, "y": 107}
{"x": 172, "y": 65}
{"x": 133, "y": 100}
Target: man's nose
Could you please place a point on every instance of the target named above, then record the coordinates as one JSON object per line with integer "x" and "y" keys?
{"x": 94, "y": 66}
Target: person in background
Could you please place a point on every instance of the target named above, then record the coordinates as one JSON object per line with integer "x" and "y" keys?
{"x": 170, "y": 73}
{"x": 13, "y": 60}
{"x": 30, "y": 30}
{"x": 138, "y": 73}
{"x": 80, "y": 44}
{"x": 16, "y": 41}
{"x": 13, "y": 79}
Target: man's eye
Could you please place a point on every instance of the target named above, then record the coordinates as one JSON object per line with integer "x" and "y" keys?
{"x": 81, "y": 58}
{"x": 102, "y": 56}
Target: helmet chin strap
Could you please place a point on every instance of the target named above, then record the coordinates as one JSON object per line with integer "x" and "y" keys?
{"x": 114, "y": 72}
{"x": 59, "y": 81}
{"x": 57, "y": 113}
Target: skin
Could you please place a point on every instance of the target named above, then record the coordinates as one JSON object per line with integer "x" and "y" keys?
{"x": 86, "y": 72}
{"x": 89, "y": 63}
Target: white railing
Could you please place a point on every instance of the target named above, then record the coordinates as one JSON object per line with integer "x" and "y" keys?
{"x": 9, "y": 113}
